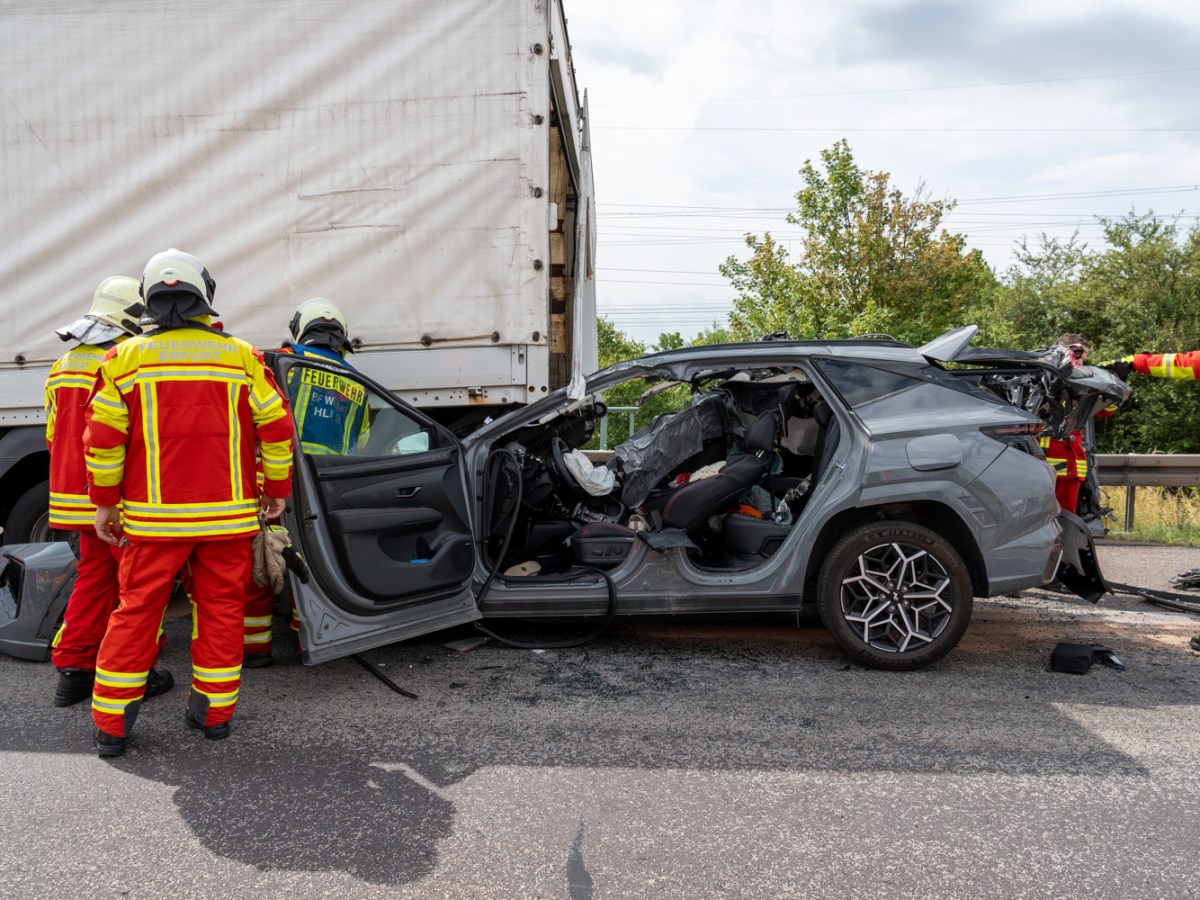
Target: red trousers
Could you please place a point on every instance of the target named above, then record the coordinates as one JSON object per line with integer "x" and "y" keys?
{"x": 1066, "y": 490}
{"x": 219, "y": 571}
{"x": 259, "y": 615}
{"x": 93, "y": 598}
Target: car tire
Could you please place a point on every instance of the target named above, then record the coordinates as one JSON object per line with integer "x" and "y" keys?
{"x": 895, "y": 595}
{"x": 29, "y": 519}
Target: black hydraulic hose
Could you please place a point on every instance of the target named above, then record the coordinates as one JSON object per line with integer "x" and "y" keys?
{"x": 358, "y": 658}
{"x": 495, "y": 461}
{"x": 1165, "y": 599}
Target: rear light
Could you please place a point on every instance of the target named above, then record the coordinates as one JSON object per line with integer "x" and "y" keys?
{"x": 1021, "y": 437}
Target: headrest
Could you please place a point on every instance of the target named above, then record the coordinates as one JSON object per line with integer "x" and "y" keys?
{"x": 763, "y": 432}
{"x": 822, "y": 413}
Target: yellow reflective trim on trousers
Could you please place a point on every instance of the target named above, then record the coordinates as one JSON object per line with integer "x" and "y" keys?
{"x": 257, "y": 637}
{"x": 223, "y": 698}
{"x": 202, "y": 674}
{"x": 116, "y": 707}
{"x": 258, "y": 620}
{"x": 122, "y": 678}
{"x": 109, "y": 681}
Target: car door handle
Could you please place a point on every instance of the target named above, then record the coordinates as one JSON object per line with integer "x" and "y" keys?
{"x": 407, "y": 493}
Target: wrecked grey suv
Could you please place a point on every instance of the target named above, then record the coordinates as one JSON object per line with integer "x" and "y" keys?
{"x": 884, "y": 484}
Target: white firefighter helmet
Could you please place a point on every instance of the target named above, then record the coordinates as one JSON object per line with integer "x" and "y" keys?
{"x": 116, "y": 308}
{"x": 176, "y": 287}
{"x": 320, "y": 323}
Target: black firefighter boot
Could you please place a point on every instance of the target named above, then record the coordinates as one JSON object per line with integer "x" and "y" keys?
{"x": 74, "y": 685}
{"x": 197, "y": 712}
{"x": 159, "y": 681}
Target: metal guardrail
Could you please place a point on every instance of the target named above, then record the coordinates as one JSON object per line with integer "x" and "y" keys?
{"x": 1136, "y": 470}
{"x": 631, "y": 411}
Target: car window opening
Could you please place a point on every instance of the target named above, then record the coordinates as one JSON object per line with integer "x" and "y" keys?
{"x": 726, "y": 477}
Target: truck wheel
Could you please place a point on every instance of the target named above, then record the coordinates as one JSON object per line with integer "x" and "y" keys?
{"x": 895, "y": 595}
{"x": 29, "y": 519}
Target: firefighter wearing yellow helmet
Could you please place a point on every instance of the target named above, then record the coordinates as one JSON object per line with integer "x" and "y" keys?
{"x": 114, "y": 314}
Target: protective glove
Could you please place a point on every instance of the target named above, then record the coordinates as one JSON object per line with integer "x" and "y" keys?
{"x": 268, "y": 550}
{"x": 1119, "y": 367}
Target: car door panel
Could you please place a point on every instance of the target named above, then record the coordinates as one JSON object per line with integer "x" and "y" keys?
{"x": 385, "y": 529}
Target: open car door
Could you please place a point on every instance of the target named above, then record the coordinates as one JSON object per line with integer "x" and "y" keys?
{"x": 380, "y": 510}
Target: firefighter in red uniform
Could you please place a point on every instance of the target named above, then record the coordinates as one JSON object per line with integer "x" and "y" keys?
{"x": 175, "y": 419}
{"x": 1178, "y": 366}
{"x": 113, "y": 316}
{"x": 1069, "y": 457}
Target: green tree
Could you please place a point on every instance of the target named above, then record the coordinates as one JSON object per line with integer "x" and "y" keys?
{"x": 615, "y": 346}
{"x": 871, "y": 260}
{"x": 1041, "y": 297}
{"x": 714, "y": 334}
{"x": 769, "y": 289}
{"x": 672, "y": 340}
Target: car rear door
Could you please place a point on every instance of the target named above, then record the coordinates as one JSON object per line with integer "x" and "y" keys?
{"x": 382, "y": 518}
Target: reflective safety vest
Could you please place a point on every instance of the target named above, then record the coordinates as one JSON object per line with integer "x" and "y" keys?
{"x": 330, "y": 409}
{"x": 174, "y": 423}
{"x": 67, "y": 391}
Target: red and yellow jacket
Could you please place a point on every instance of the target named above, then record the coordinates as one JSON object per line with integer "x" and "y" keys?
{"x": 1182, "y": 366}
{"x": 173, "y": 426}
{"x": 67, "y": 391}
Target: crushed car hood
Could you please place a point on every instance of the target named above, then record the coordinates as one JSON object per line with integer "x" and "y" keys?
{"x": 1043, "y": 382}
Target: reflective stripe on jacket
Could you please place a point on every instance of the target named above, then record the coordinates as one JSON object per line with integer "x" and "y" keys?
{"x": 174, "y": 423}
{"x": 330, "y": 410}
{"x": 67, "y": 390}
{"x": 1181, "y": 366}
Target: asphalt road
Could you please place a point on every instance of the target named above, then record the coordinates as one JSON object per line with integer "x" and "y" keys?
{"x": 665, "y": 760}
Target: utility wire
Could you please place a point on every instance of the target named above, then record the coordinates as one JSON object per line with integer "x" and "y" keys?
{"x": 908, "y": 90}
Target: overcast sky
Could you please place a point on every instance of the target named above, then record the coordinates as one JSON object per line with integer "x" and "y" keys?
{"x": 1035, "y": 116}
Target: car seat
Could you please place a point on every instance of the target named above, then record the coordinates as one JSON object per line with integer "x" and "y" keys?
{"x": 690, "y": 505}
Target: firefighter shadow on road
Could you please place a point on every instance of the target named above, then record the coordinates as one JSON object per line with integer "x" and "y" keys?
{"x": 317, "y": 807}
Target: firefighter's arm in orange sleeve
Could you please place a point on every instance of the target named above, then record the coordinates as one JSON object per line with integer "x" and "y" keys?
{"x": 1180, "y": 366}
{"x": 51, "y": 412}
{"x": 105, "y": 437}
{"x": 272, "y": 428}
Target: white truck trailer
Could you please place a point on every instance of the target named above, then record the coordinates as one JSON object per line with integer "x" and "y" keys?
{"x": 424, "y": 164}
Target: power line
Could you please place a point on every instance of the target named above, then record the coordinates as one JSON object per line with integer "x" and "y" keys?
{"x": 817, "y": 129}
{"x": 912, "y": 90}
{"x": 1013, "y": 198}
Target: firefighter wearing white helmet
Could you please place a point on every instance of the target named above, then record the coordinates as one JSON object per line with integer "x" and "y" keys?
{"x": 319, "y": 323}
{"x": 177, "y": 289}
{"x": 177, "y": 420}
{"x": 113, "y": 317}
{"x": 330, "y": 410}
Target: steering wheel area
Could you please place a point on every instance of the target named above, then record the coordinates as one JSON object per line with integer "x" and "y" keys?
{"x": 562, "y": 475}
